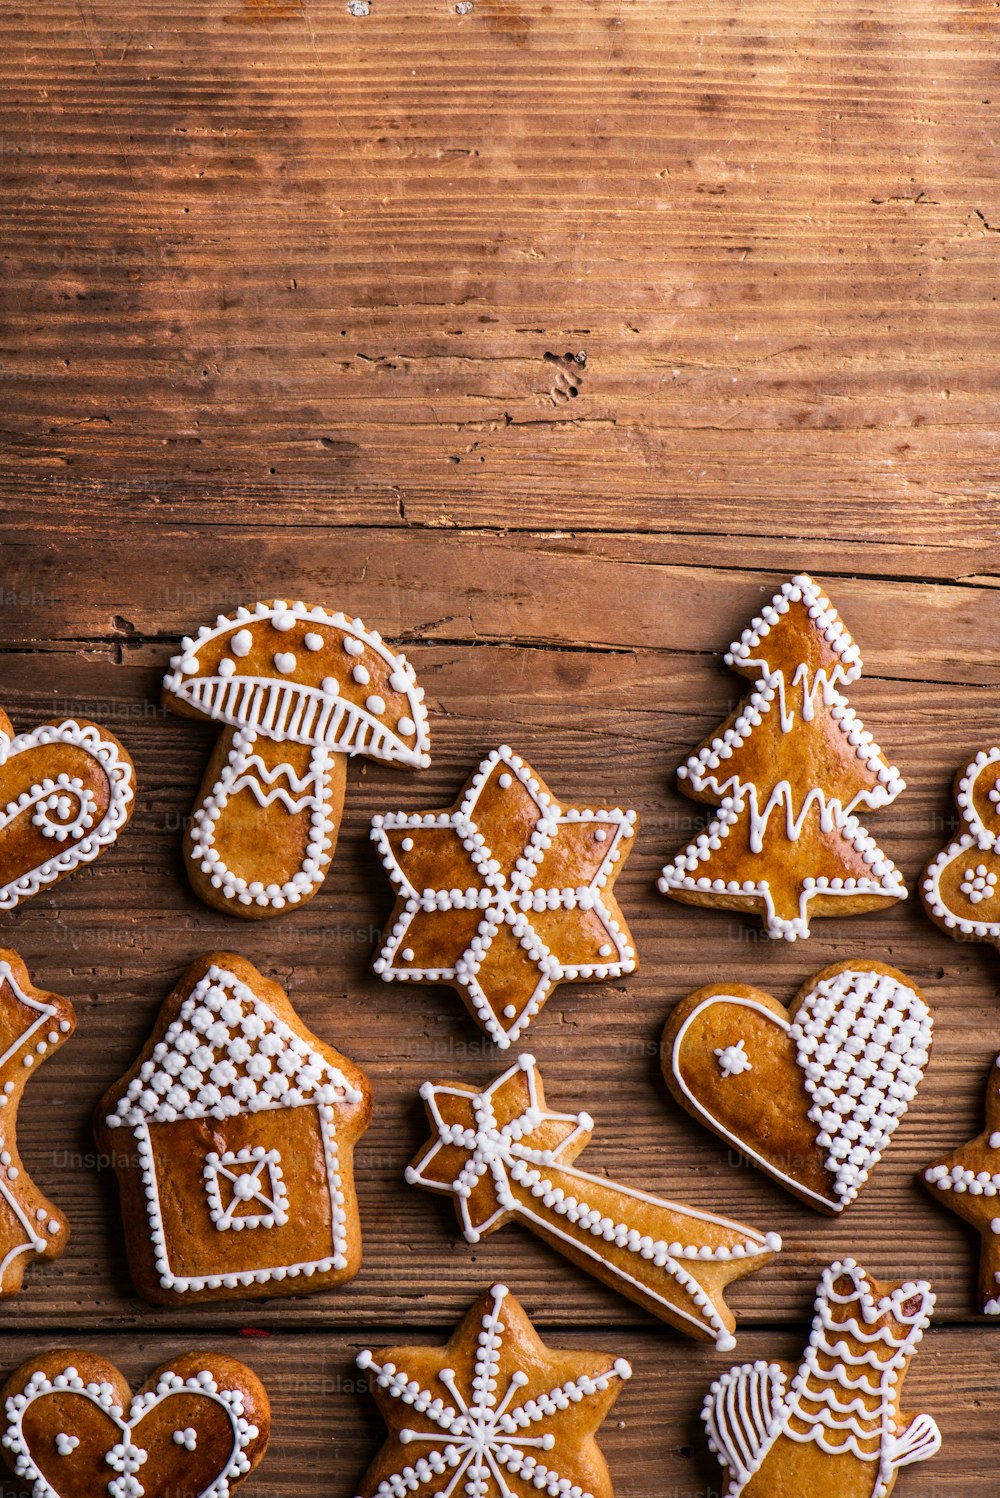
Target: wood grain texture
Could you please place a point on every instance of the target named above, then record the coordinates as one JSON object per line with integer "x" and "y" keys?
{"x": 548, "y": 338}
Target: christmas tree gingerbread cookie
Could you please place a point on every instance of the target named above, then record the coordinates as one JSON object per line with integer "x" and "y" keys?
{"x": 233, "y": 1139}
{"x": 968, "y": 1181}
{"x": 812, "y": 1095}
{"x": 832, "y": 1427}
{"x": 494, "y": 1413}
{"x": 505, "y": 895}
{"x": 503, "y": 1155}
{"x": 33, "y": 1025}
{"x": 959, "y": 887}
{"x": 73, "y": 1429}
{"x": 789, "y": 770}
{"x": 297, "y": 690}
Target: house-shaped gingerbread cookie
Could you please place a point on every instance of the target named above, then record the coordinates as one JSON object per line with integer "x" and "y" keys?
{"x": 232, "y": 1137}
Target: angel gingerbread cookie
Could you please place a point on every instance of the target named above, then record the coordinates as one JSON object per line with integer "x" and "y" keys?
{"x": 73, "y": 1429}
{"x": 959, "y": 886}
{"x": 33, "y": 1025}
{"x": 968, "y": 1181}
{"x": 503, "y": 1155}
{"x": 67, "y": 790}
{"x": 298, "y": 690}
{"x": 233, "y": 1138}
{"x": 505, "y": 895}
{"x": 812, "y": 1095}
{"x": 789, "y": 771}
{"x": 832, "y": 1427}
{"x": 495, "y": 1413}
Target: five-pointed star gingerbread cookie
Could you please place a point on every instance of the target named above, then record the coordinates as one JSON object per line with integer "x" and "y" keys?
{"x": 969, "y": 1182}
{"x": 505, "y": 895}
{"x": 495, "y": 1413}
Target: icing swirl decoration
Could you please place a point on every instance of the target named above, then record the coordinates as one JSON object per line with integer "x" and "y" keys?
{"x": 493, "y": 1413}
{"x": 506, "y": 895}
{"x": 298, "y": 691}
{"x": 789, "y": 771}
{"x": 503, "y": 1156}
{"x": 833, "y": 1424}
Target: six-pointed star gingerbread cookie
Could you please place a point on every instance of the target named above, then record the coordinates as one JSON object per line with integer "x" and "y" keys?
{"x": 505, "y": 895}
{"x": 495, "y": 1413}
{"x": 969, "y": 1182}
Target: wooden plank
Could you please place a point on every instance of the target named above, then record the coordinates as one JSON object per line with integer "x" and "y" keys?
{"x": 325, "y": 1428}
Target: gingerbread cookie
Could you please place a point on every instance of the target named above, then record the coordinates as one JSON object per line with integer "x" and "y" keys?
{"x": 789, "y": 771}
{"x": 299, "y": 689}
{"x": 66, "y": 791}
{"x": 233, "y": 1139}
{"x": 959, "y": 886}
{"x": 503, "y": 1155}
{"x": 812, "y": 1095}
{"x": 968, "y": 1181}
{"x": 505, "y": 895}
{"x": 494, "y": 1413}
{"x": 832, "y": 1427}
{"x": 198, "y": 1427}
{"x": 33, "y": 1025}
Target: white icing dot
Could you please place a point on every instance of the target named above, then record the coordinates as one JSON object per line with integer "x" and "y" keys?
{"x": 605, "y": 950}
{"x": 284, "y": 622}
{"x": 505, "y": 782}
{"x": 313, "y": 641}
{"x": 509, "y": 1011}
{"x": 53, "y": 1225}
{"x": 407, "y": 954}
{"x": 600, "y": 835}
{"x": 227, "y": 667}
{"x": 241, "y": 642}
{"x": 407, "y": 844}
{"x": 406, "y": 727}
{"x": 353, "y": 646}
{"x": 375, "y": 704}
{"x": 285, "y": 662}
{"x": 361, "y": 675}
{"x": 330, "y": 685}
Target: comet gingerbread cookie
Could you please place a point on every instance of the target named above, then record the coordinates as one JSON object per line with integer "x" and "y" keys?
{"x": 298, "y": 690}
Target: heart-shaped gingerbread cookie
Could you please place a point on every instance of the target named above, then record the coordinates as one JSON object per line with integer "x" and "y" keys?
{"x": 196, "y": 1429}
{"x": 812, "y": 1095}
{"x": 66, "y": 791}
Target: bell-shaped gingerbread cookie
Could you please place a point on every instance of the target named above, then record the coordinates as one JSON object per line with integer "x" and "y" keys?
{"x": 298, "y": 690}
{"x": 959, "y": 887}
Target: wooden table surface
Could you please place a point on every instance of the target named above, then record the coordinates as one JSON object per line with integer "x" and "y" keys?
{"x": 549, "y": 338}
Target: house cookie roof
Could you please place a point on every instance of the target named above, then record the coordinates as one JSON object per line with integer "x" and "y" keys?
{"x": 226, "y": 1052}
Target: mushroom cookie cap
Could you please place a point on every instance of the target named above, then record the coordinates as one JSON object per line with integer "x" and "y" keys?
{"x": 302, "y": 675}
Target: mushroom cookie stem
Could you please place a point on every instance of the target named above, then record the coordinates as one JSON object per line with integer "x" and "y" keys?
{"x": 266, "y": 821}
{"x": 504, "y": 1155}
{"x": 297, "y": 690}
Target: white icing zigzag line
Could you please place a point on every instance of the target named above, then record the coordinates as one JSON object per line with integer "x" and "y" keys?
{"x": 507, "y": 1154}
{"x": 125, "y": 1457}
{"x": 480, "y": 1438}
{"x": 120, "y": 793}
{"x": 977, "y": 838}
{"x": 507, "y": 899}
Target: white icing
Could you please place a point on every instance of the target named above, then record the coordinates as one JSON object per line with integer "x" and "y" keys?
{"x": 588, "y": 1214}
{"x": 705, "y": 772}
{"x": 313, "y": 641}
{"x": 847, "y": 1402}
{"x": 507, "y": 896}
{"x": 862, "y": 1043}
{"x": 64, "y": 808}
{"x": 487, "y": 1433}
{"x": 979, "y": 883}
{"x": 227, "y": 1053}
{"x": 126, "y": 1457}
{"x": 241, "y": 643}
{"x": 246, "y": 1189}
{"x": 284, "y": 662}
{"x": 188, "y": 1438}
{"x": 733, "y": 1059}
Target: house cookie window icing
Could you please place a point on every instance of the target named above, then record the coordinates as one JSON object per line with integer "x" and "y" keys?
{"x": 246, "y": 1189}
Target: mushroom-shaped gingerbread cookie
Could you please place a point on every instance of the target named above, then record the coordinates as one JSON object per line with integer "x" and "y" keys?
{"x": 298, "y": 689}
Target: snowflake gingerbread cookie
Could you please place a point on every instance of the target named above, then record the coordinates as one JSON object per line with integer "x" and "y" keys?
{"x": 789, "y": 771}
{"x": 811, "y": 1095}
{"x": 233, "y": 1139}
{"x": 298, "y": 690}
{"x": 505, "y": 895}
{"x": 33, "y": 1025}
{"x": 832, "y": 1427}
{"x": 959, "y": 887}
{"x": 67, "y": 790}
{"x": 968, "y": 1181}
{"x": 503, "y": 1155}
{"x": 72, "y": 1428}
{"x": 495, "y": 1413}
